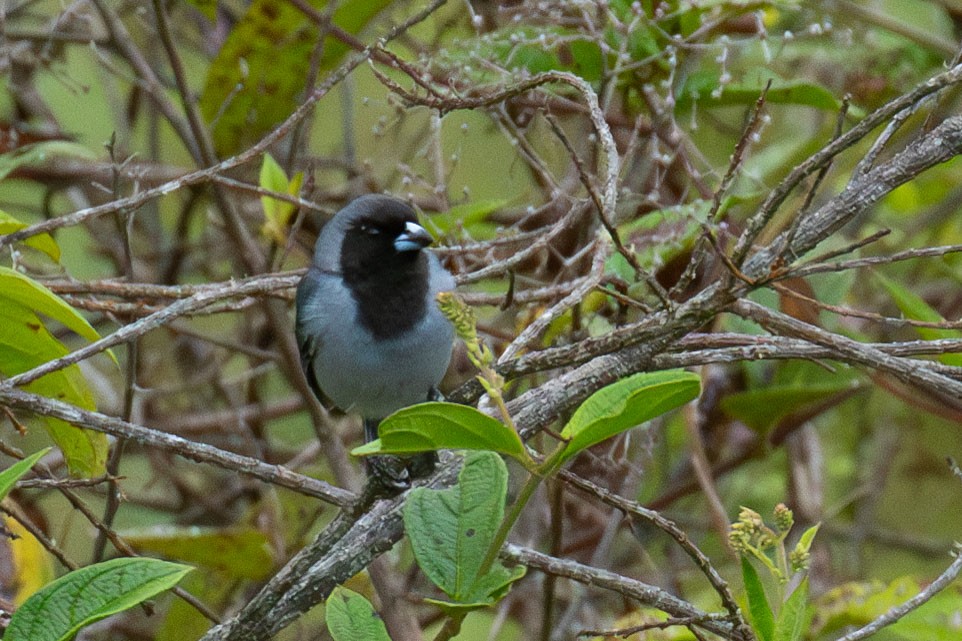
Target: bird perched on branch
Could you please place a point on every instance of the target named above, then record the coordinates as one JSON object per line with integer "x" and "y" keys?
{"x": 371, "y": 337}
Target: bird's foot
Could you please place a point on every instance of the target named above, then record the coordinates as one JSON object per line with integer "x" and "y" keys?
{"x": 398, "y": 472}
{"x": 390, "y": 472}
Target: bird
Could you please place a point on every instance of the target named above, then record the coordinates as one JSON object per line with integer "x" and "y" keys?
{"x": 371, "y": 337}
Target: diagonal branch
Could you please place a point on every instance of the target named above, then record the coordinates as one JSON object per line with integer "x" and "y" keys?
{"x": 200, "y": 452}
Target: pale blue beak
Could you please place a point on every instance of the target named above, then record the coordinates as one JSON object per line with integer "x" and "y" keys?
{"x": 413, "y": 238}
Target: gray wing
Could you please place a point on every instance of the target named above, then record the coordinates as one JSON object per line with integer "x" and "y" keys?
{"x": 305, "y": 329}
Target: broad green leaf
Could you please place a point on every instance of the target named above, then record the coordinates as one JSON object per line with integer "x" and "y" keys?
{"x": 763, "y": 619}
{"x": 351, "y": 617}
{"x": 493, "y": 586}
{"x": 763, "y": 408}
{"x": 40, "y": 152}
{"x": 22, "y": 289}
{"x": 60, "y": 609}
{"x": 236, "y": 552}
{"x": 443, "y": 426}
{"x": 626, "y": 404}
{"x": 797, "y": 388}
{"x": 937, "y": 620}
{"x": 793, "y": 616}
{"x": 181, "y": 621}
{"x": 40, "y": 242}
{"x": 26, "y": 343}
{"x": 10, "y": 476}
{"x": 451, "y": 530}
{"x": 257, "y": 78}
{"x": 914, "y": 307}
{"x": 487, "y": 591}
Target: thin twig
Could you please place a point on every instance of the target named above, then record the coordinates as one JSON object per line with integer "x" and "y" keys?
{"x": 637, "y": 510}
{"x": 629, "y": 588}
{"x": 778, "y": 195}
{"x": 894, "y": 614}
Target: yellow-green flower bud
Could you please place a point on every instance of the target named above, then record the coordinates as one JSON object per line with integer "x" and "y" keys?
{"x": 751, "y": 520}
{"x": 784, "y": 519}
{"x": 460, "y": 315}
{"x": 799, "y": 559}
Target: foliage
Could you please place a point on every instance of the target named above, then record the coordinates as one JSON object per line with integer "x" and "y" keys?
{"x": 751, "y": 202}
{"x": 25, "y": 343}
{"x": 350, "y": 617}
{"x": 752, "y": 539}
{"x": 61, "y": 608}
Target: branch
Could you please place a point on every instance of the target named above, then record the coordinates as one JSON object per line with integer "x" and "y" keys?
{"x": 843, "y": 142}
{"x": 669, "y": 527}
{"x": 642, "y": 592}
{"x": 919, "y": 373}
{"x": 339, "y": 552}
{"x": 945, "y": 579}
{"x": 199, "y": 452}
{"x": 251, "y": 153}
{"x": 200, "y": 300}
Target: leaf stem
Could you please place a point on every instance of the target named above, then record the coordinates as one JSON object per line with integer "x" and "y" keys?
{"x": 536, "y": 476}
{"x": 451, "y": 627}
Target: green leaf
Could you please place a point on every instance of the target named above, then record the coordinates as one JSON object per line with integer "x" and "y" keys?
{"x": 805, "y": 542}
{"x": 702, "y": 88}
{"x": 39, "y": 153}
{"x": 468, "y": 216}
{"x": 206, "y": 7}
{"x": 351, "y": 617}
{"x": 443, "y": 426}
{"x": 277, "y": 213}
{"x": 493, "y": 586}
{"x": 451, "y": 530}
{"x": 626, "y": 404}
{"x": 257, "y": 78}
{"x": 763, "y": 619}
{"x": 793, "y": 616}
{"x": 58, "y": 610}
{"x": 488, "y": 590}
{"x": 763, "y": 408}
{"x": 531, "y": 49}
{"x": 937, "y": 620}
{"x": 236, "y": 552}
{"x": 797, "y": 388}
{"x": 26, "y": 343}
{"x": 914, "y": 307}
{"x": 10, "y": 476}
{"x": 856, "y": 604}
{"x": 22, "y": 289}
{"x": 40, "y": 242}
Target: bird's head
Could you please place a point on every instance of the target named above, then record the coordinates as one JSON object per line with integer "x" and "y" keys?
{"x": 381, "y": 233}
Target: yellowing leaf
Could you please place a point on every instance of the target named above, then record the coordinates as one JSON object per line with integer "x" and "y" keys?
{"x": 40, "y": 242}
{"x": 18, "y": 288}
{"x": 31, "y": 566}
{"x": 24, "y": 344}
{"x": 238, "y": 552}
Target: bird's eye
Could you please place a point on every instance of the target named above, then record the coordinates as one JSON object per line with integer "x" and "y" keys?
{"x": 369, "y": 229}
